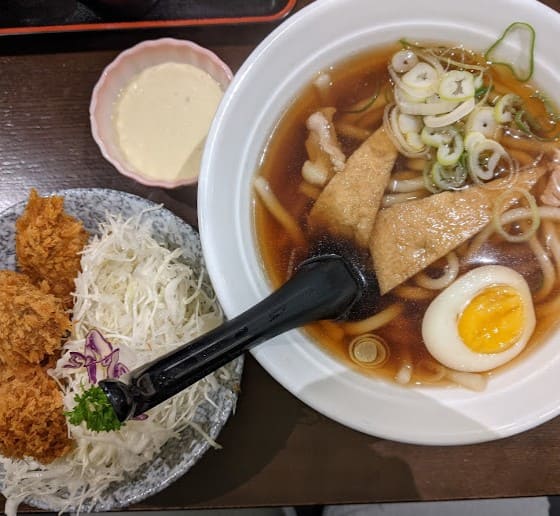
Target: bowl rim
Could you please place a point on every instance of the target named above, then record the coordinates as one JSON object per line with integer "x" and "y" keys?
{"x": 228, "y": 238}
{"x": 108, "y": 70}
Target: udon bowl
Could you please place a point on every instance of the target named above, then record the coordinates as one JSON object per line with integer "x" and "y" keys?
{"x": 323, "y": 34}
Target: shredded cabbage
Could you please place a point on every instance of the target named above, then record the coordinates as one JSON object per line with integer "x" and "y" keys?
{"x": 147, "y": 301}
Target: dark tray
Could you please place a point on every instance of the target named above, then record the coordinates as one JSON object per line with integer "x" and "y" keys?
{"x": 35, "y": 16}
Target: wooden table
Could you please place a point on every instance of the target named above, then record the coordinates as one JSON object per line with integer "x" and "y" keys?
{"x": 276, "y": 450}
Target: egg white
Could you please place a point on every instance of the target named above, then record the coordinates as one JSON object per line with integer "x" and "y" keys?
{"x": 440, "y": 323}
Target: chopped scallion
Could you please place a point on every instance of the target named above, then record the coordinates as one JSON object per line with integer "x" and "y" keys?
{"x": 500, "y": 51}
{"x": 362, "y": 109}
{"x": 483, "y": 90}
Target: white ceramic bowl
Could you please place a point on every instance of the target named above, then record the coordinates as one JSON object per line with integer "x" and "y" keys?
{"x": 323, "y": 34}
{"x": 118, "y": 74}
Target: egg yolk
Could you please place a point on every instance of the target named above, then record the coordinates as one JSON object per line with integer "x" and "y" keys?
{"x": 493, "y": 320}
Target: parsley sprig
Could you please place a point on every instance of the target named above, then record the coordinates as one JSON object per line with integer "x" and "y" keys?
{"x": 93, "y": 407}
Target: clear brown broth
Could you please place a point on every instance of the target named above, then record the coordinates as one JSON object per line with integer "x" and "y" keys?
{"x": 282, "y": 161}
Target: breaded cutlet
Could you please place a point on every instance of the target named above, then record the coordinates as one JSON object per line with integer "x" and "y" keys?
{"x": 32, "y": 422}
{"x": 48, "y": 243}
{"x": 32, "y": 322}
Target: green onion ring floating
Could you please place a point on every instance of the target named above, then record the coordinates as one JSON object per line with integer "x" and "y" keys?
{"x": 522, "y": 71}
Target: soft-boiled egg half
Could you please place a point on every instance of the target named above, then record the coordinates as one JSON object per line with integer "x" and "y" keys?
{"x": 481, "y": 321}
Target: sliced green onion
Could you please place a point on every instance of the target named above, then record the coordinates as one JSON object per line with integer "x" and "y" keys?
{"x": 417, "y": 94}
{"x": 429, "y": 183}
{"x": 482, "y": 93}
{"x": 408, "y": 44}
{"x": 405, "y": 97}
{"x": 483, "y": 158}
{"x": 365, "y": 107}
{"x": 523, "y": 122}
{"x": 449, "y": 154}
{"x": 409, "y": 123}
{"x": 437, "y": 107}
{"x": 529, "y": 125}
{"x": 457, "y": 85}
{"x": 434, "y": 137}
{"x": 500, "y": 52}
{"x": 548, "y": 105}
{"x": 413, "y": 139}
{"x": 473, "y": 138}
{"x": 463, "y": 159}
{"x": 404, "y": 60}
{"x": 459, "y": 112}
{"x": 368, "y": 103}
{"x": 483, "y": 90}
{"x": 448, "y": 178}
{"x": 432, "y": 59}
{"x": 389, "y": 94}
{"x": 422, "y": 76}
{"x": 505, "y": 108}
{"x": 482, "y": 120}
{"x": 532, "y": 127}
{"x": 478, "y": 82}
{"x": 464, "y": 66}
{"x": 391, "y": 125}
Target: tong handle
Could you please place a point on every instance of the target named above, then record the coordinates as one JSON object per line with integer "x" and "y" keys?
{"x": 323, "y": 287}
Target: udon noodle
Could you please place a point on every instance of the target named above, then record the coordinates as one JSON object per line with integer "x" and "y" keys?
{"x": 458, "y": 123}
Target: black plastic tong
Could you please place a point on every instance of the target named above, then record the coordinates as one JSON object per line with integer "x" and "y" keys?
{"x": 324, "y": 287}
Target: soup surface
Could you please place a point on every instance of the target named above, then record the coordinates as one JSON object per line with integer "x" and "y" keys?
{"x": 309, "y": 186}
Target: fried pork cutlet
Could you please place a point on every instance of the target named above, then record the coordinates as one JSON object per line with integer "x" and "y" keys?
{"x": 32, "y": 422}
{"x": 48, "y": 243}
{"x": 32, "y": 322}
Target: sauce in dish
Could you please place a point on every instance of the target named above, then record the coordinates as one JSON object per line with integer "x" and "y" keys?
{"x": 441, "y": 169}
{"x": 162, "y": 118}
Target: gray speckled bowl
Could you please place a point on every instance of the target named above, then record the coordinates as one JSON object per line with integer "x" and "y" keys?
{"x": 177, "y": 456}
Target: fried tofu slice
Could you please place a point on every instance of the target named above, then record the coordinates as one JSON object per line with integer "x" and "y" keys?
{"x": 32, "y": 422}
{"x": 408, "y": 237}
{"x": 48, "y": 243}
{"x": 32, "y": 322}
{"x": 348, "y": 205}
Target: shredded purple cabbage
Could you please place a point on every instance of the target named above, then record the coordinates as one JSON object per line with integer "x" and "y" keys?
{"x": 101, "y": 361}
{"x": 99, "y": 358}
